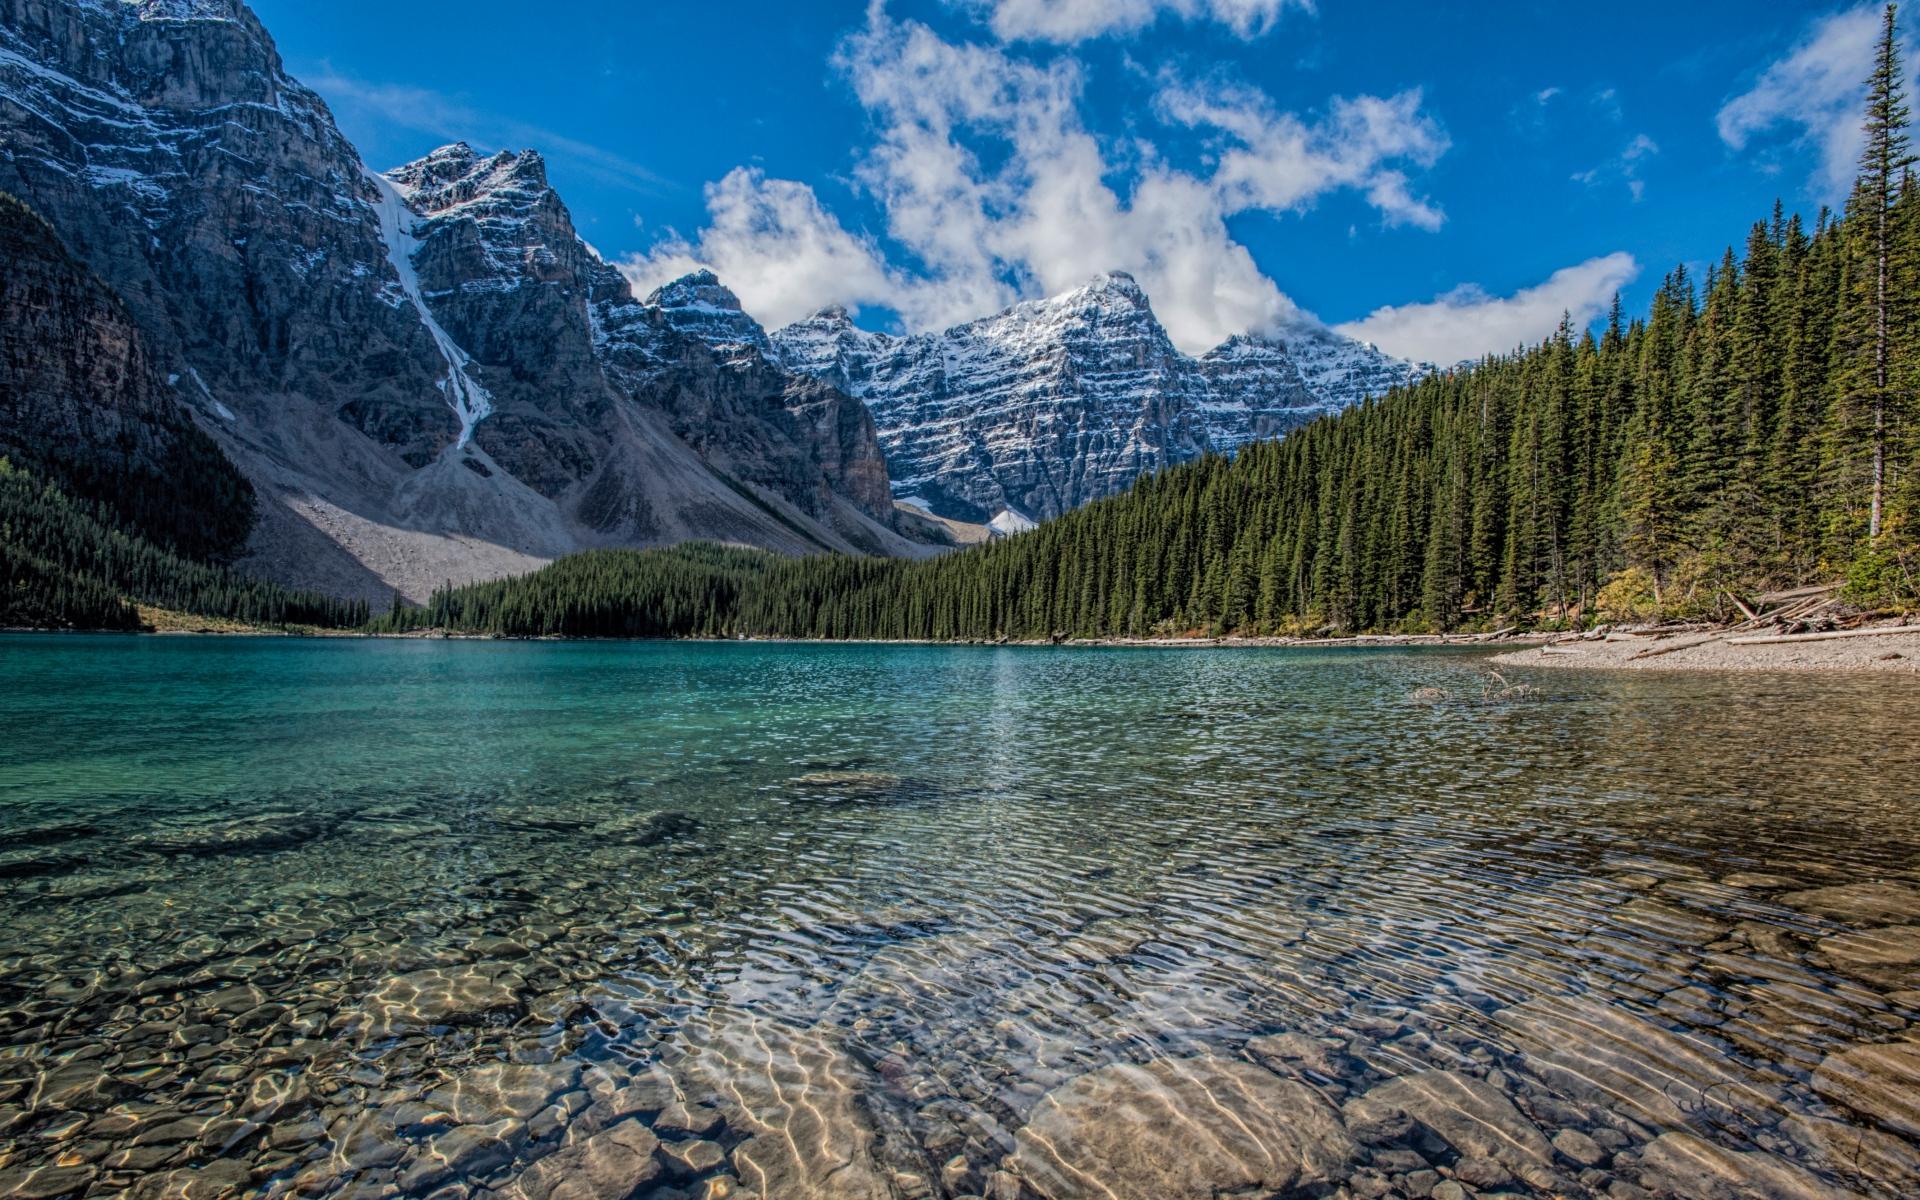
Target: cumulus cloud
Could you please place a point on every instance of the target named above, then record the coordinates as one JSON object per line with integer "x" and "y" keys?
{"x": 1818, "y": 90}
{"x": 994, "y": 188}
{"x": 1068, "y": 21}
{"x": 774, "y": 245}
{"x": 1282, "y": 163}
{"x": 1467, "y": 322}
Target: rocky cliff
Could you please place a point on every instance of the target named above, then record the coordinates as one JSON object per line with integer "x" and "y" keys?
{"x": 1035, "y": 410}
{"x": 81, "y": 403}
{"x": 427, "y": 375}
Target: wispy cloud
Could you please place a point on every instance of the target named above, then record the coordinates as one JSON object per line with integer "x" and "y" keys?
{"x": 1467, "y": 322}
{"x": 451, "y": 119}
{"x": 1817, "y": 90}
{"x": 1069, "y": 21}
{"x": 1624, "y": 167}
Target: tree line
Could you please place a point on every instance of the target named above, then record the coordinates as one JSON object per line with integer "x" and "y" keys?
{"x": 66, "y": 564}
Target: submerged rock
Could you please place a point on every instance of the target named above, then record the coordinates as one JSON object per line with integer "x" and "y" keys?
{"x": 1855, "y": 1152}
{"x": 646, "y": 829}
{"x": 438, "y": 996}
{"x": 1860, "y": 903}
{"x": 1180, "y": 1129}
{"x": 846, "y": 785}
{"x": 255, "y": 834}
{"x": 1608, "y": 1056}
{"x": 1880, "y": 1082}
{"x": 795, "y": 1095}
{"x": 465, "y": 1151}
{"x": 1680, "y": 1164}
{"x": 1472, "y": 1116}
{"x": 498, "y": 1090}
{"x": 1285, "y": 1052}
{"x": 610, "y": 1165}
{"x": 1893, "y": 946}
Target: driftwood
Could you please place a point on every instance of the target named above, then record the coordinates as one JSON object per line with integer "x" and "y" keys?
{"x": 1744, "y": 610}
{"x": 1823, "y": 635}
{"x": 1796, "y": 593}
{"x": 1657, "y": 651}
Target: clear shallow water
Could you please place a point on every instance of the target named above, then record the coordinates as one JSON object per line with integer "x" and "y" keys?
{"x": 408, "y": 918}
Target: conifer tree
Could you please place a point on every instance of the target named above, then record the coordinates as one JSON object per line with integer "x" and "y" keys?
{"x": 1883, "y": 163}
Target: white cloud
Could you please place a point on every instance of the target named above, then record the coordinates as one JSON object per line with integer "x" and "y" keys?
{"x": 1280, "y": 163}
{"x": 1819, "y": 88}
{"x": 993, "y": 188}
{"x": 1467, "y": 323}
{"x": 1068, "y": 21}
{"x": 773, "y": 244}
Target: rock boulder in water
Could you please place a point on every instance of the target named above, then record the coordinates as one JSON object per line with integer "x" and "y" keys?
{"x": 1180, "y": 1129}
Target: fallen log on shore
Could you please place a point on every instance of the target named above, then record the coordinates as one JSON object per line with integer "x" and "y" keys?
{"x": 1822, "y": 636}
{"x": 1657, "y": 651}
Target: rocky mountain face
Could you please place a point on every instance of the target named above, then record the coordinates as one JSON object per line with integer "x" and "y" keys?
{"x": 427, "y": 375}
{"x": 1033, "y": 411}
{"x": 81, "y": 403}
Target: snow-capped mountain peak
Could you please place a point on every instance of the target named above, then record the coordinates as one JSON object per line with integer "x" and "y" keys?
{"x": 181, "y": 10}
{"x": 700, "y": 305}
{"x": 1056, "y": 401}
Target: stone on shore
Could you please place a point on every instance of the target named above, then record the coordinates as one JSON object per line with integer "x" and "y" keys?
{"x": 1180, "y": 1129}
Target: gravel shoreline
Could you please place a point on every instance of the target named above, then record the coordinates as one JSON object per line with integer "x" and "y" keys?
{"x": 1896, "y": 652}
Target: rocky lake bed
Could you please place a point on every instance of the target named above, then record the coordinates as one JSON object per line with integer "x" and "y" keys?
{"x": 558, "y": 921}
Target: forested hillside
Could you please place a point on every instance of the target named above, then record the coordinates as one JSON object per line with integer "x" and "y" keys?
{"x": 64, "y": 564}
{"x": 82, "y": 404}
{"x": 1756, "y": 429}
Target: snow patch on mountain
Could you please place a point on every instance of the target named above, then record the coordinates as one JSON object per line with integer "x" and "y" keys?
{"x": 1007, "y": 522}
{"x": 469, "y": 401}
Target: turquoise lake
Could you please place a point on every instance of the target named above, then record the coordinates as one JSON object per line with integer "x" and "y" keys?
{"x": 340, "y": 917}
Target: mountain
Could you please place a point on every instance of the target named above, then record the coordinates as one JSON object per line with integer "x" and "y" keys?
{"x": 426, "y": 375}
{"x": 1033, "y": 411}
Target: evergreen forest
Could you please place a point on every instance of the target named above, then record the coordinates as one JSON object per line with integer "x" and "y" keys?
{"x": 1755, "y": 430}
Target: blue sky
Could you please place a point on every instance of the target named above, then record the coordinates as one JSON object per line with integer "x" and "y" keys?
{"x": 1470, "y": 170}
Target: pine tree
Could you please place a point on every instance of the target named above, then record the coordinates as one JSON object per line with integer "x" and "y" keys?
{"x": 1882, "y": 164}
